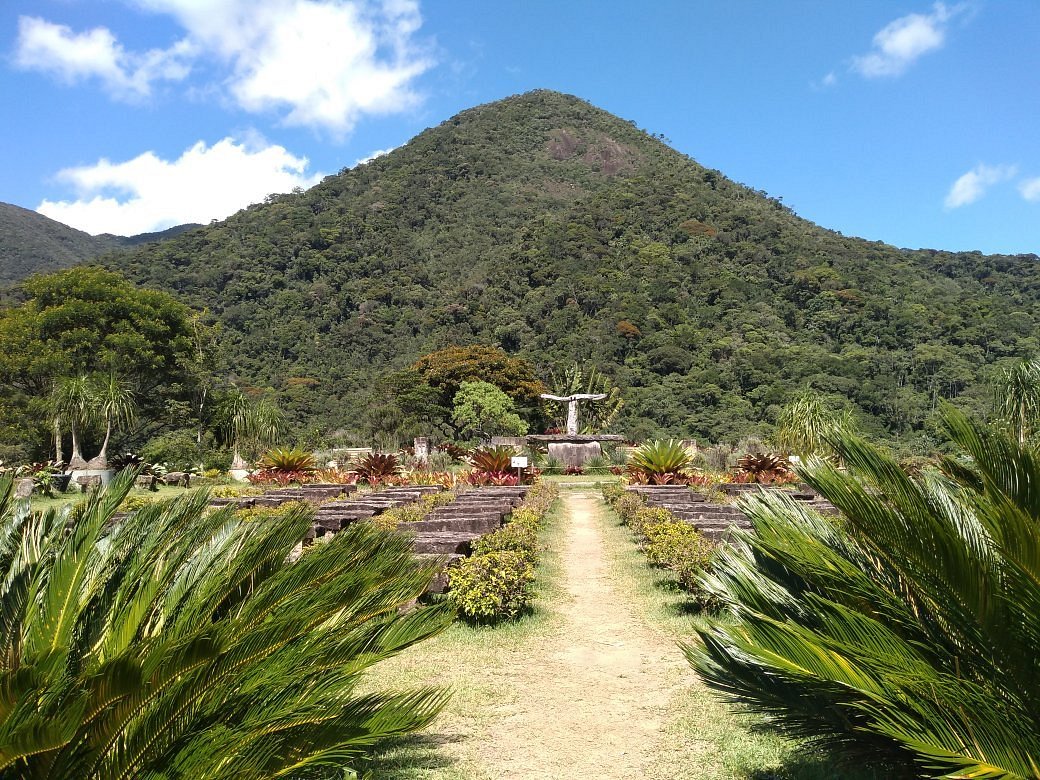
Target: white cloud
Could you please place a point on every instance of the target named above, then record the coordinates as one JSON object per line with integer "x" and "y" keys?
{"x": 1030, "y": 189}
{"x": 901, "y": 42}
{"x": 71, "y": 57}
{"x": 975, "y": 183}
{"x": 830, "y": 79}
{"x": 370, "y": 157}
{"x": 148, "y": 193}
{"x": 320, "y": 63}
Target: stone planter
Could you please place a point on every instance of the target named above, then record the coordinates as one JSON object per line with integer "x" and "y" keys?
{"x": 105, "y": 474}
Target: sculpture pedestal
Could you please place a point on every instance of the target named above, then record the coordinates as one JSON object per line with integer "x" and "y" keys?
{"x": 573, "y": 450}
{"x": 574, "y": 453}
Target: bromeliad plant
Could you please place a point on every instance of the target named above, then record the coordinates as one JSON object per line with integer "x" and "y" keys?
{"x": 375, "y": 468}
{"x": 660, "y": 462}
{"x": 492, "y": 466}
{"x": 765, "y": 469}
{"x": 285, "y": 467}
{"x": 905, "y": 631}
{"x": 184, "y": 643}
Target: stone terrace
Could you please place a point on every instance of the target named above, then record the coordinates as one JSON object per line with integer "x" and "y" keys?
{"x": 447, "y": 532}
{"x": 716, "y": 520}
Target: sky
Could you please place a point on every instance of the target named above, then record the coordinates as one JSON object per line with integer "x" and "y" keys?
{"x": 911, "y": 123}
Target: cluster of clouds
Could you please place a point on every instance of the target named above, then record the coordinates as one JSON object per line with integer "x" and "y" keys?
{"x": 973, "y": 185}
{"x": 319, "y": 64}
{"x": 147, "y": 193}
{"x": 901, "y": 42}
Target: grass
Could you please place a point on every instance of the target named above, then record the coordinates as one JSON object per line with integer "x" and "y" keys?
{"x": 742, "y": 748}
{"x": 42, "y": 503}
{"x": 464, "y": 659}
{"x": 584, "y": 479}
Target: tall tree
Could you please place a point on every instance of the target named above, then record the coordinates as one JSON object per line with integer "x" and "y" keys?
{"x": 1018, "y": 397}
{"x": 484, "y": 410}
{"x": 74, "y": 403}
{"x": 113, "y": 404}
{"x": 805, "y": 425}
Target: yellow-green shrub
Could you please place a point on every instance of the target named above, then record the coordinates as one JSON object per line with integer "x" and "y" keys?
{"x": 648, "y": 516}
{"x": 627, "y": 505}
{"x": 520, "y": 538}
{"x": 491, "y": 587}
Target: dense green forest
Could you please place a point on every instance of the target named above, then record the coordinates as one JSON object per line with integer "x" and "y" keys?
{"x": 561, "y": 233}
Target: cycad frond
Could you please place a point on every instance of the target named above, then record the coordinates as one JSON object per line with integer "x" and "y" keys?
{"x": 904, "y": 630}
{"x": 182, "y": 642}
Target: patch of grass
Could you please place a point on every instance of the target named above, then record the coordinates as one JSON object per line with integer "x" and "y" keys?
{"x": 474, "y": 662}
{"x": 737, "y": 744}
{"x": 40, "y": 503}
{"x": 585, "y": 479}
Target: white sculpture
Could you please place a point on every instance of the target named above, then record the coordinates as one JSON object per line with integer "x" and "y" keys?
{"x": 572, "y": 407}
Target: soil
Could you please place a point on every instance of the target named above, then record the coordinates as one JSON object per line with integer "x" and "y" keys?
{"x": 591, "y": 701}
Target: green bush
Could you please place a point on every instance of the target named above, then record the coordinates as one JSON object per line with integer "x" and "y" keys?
{"x": 627, "y": 505}
{"x": 179, "y": 450}
{"x": 492, "y": 587}
{"x": 679, "y": 547}
{"x": 648, "y": 516}
{"x": 520, "y": 538}
{"x": 612, "y": 491}
{"x": 236, "y": 490}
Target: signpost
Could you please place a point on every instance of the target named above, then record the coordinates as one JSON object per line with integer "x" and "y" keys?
{"x": 519, "y": 462}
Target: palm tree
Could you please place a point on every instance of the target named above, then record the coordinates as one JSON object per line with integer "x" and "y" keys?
{"x": 113, "y": 403}
{"x": 1018, "y": 397}
{"x": 188, "y": 643}
{"x": 904, "y": 630}
{"x": 805, "y": 424}
{"x": 249, "y": 424}
{"x": 73, "y": 403}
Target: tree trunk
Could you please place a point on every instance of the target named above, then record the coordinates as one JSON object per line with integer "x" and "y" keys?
{"x": 59, "y": 456}
{"x": 76, "y": 461}
{"x": 101, "y": 461}
{"x": 236, "y": 462}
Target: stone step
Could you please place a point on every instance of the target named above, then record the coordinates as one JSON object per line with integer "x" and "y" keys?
{"x": 439, "y": 584}
{"x": 480, "y": 524}
{"x": 445, "y": 542}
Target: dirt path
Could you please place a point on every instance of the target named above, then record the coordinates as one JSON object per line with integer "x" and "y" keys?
{"x": 591, "y": 702}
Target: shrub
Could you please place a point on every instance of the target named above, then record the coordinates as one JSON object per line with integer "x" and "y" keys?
{"x": 648, "y": 516}
{"x": 179, "y": 450}
{"x": 234, "y": 491}
{"x": 627, "y": 506}
{"x": 612, "y": 491}
{"x": 905, "y": 630}
{"x": 520, "y": 538}
{"x": 660, "y": 462}
{"x": 492, "y": 587}
{"x": 182, "y": 642}
{"x": 678, "y": 546}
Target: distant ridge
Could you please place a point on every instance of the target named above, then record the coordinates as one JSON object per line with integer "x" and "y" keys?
{"x": 32, "y": 243}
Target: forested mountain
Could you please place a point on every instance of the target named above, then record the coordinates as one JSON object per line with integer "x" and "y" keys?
{"x": 32, "y": 243}
{"x": 561, "y": 233}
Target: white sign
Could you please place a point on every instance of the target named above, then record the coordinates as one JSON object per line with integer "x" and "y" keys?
{"x": 518, "y": 462}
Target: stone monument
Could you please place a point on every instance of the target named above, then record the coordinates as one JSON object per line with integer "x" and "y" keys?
{"x": 573, "y": 448}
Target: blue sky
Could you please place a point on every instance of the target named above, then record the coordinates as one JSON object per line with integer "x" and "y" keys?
{"x": 912, "y": 123}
